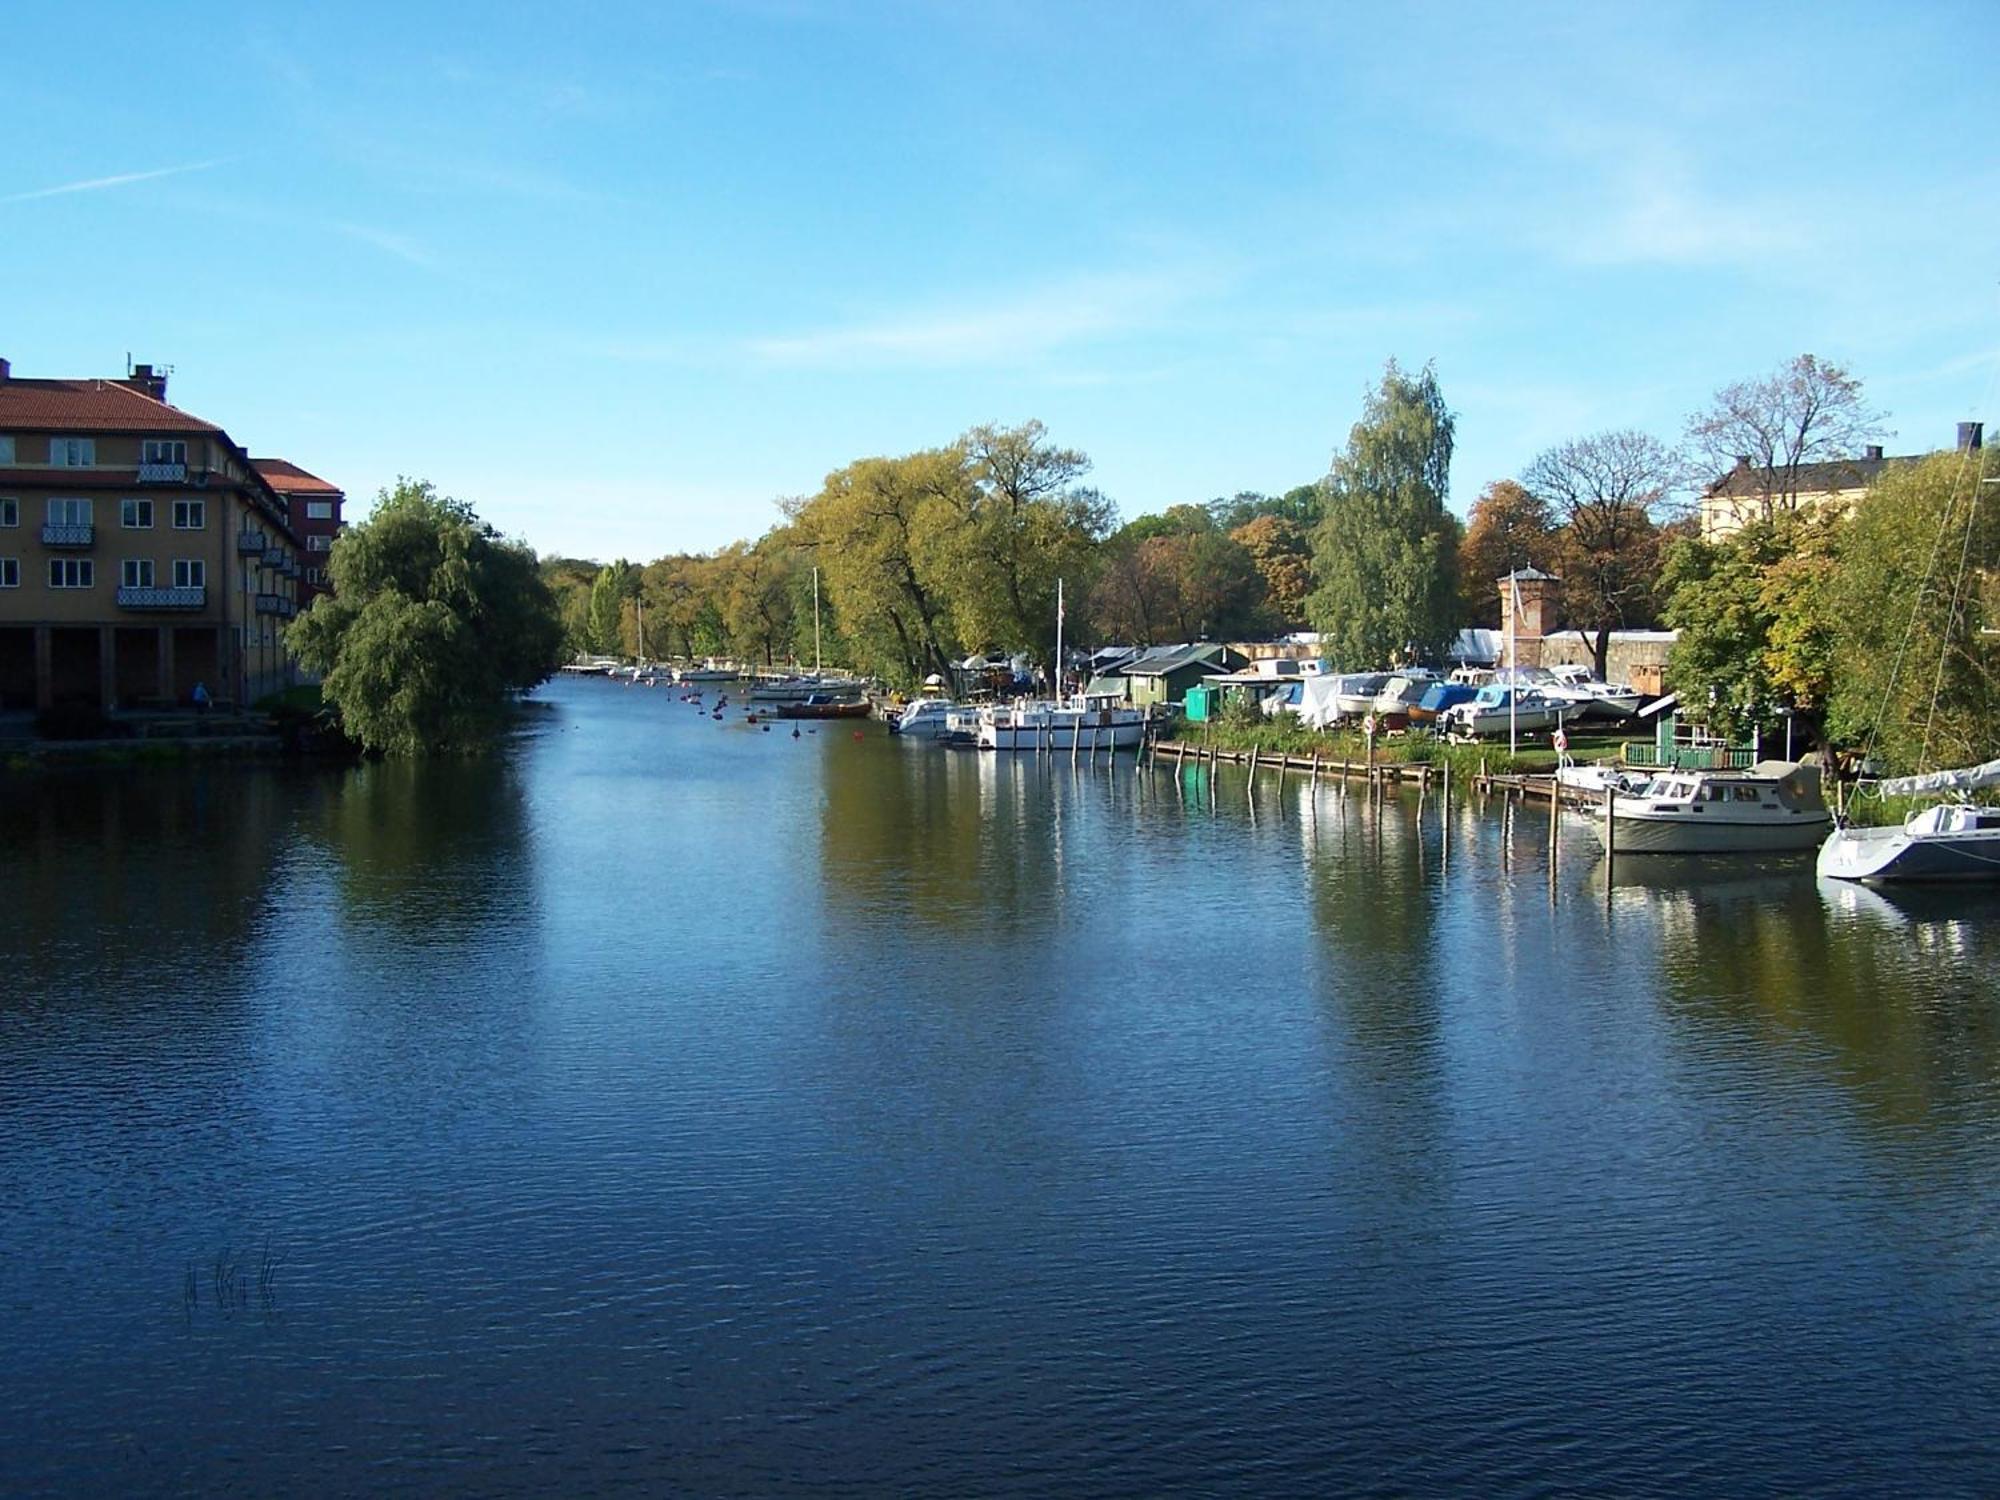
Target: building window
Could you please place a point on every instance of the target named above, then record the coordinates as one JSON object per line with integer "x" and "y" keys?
{"x": 135, "y": 515}
{"x": 71, "y": 573}
{"x": 10, "y": 511}
{"x": 72, "y": 453}
{"x": 68, "y": 510}
{"x": 190, "y": 573}
{"x": 10, "y": 572}
{"x": 190, "y": 515}
{"x": 136, "y": 573}
{"x": 6, "y": 447}
{"x": 319, "y": 510}
{"x": 162, "y": 451}
{"x": 316, "y": 577}
{"x": 319, "y": 544}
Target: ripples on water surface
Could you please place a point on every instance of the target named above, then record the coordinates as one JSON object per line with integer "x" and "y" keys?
{"x": 666, "y": 1105}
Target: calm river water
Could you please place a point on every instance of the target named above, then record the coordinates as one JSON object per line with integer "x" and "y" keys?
{"x": 662, "y": 1105}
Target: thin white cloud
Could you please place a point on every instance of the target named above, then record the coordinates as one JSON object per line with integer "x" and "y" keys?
{"x": 1004, "y": 331}
{"x": 389, "y": 242}
{"x": 1654, "y": 214}
{"x": 121, "y": 179}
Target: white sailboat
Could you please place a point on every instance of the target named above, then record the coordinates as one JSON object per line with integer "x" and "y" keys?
{"x": 1954, "y": 840}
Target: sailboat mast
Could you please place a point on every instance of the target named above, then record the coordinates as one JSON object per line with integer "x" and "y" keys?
{"x": 1059, "y": 626}
{"x": 815, "y": 622}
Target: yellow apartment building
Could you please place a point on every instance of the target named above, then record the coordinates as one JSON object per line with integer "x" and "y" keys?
{"x": 141, "y": 553}
{"x": 1750, "y": 492}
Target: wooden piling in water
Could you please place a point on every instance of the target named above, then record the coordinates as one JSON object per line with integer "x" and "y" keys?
{"x": 1610, "y": 839}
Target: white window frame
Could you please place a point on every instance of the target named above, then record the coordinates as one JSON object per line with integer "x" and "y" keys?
{"x": 319, "y": 544}
{"x": 68, "y": 510}
{"x": 163, "y": 451}
{"x": 81, "y": 569}
{"x": 72, "y": 453}
{"x": 10, "y": 572}
{"x": 135, "y": 573}
{"x": 10, "y": 510}
{"x": 190, "y": 573}
{"x": 131, "y": 507}
{"x": 190, "y": 515}
{"x": 319, "y": 510}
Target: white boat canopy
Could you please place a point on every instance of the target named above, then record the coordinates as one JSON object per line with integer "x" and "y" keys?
{"x": 1938, "y": 783}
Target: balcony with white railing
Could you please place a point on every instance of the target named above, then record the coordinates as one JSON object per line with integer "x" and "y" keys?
{"x": 271, "y": 604}
{"x": 157, "y": 473}
{"x": 274, "y": 557}
{"x": 188, "y": 596}
{"x": 68, "y": 534}
{"x": 252, "y": 543}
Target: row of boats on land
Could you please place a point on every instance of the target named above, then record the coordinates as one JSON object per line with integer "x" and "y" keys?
{"x": 1466, "y": 704}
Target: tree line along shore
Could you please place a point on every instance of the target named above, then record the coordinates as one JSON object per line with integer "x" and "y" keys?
{"x": 1843, "y": 618}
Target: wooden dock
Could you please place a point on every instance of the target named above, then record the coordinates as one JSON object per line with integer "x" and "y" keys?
{"x": 1313, "y": 767}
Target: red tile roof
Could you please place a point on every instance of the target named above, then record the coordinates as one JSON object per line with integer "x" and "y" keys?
{"x": 89, "y": 406}
{"x": 288, "y": 478}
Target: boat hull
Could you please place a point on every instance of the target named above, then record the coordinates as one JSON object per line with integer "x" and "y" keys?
{"x": 1696, "y": 833}
{"x": 1061, "y": 732}
{"x": 1881, "y": 854}
{"x": 822, "y": 710}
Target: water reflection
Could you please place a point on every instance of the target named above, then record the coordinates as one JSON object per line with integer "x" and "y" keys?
{"x": 435, "y": 851}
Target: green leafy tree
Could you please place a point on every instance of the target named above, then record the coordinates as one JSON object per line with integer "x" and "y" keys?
{"x": 1915, "y": 680}
{"x": 1016, "y": 518}
{"x": 435, "y": 623}
{"x": 877, "y": 529}
{"x": 1385, "y": 555}
{"x": 608, "y": 592}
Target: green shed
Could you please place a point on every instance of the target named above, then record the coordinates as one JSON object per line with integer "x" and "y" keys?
{"x": 1204, "y": 702}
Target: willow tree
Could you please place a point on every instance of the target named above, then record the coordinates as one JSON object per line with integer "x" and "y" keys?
{"x": 435, "y": 622}
{"x": 1385, "y": 550}
{"x": 872, "y": 529}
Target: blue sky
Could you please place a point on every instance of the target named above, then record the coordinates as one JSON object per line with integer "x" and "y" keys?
{"x": 625, "y": 274}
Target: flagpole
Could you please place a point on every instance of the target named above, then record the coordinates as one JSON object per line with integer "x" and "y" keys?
{"x": 1513, "y": 662}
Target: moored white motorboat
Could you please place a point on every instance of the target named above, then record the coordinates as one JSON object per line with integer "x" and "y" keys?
{"x": 929, "y": 719}
{"x": 1051, "y": 726}
{"x": 1949, "y": 841}
{"x": 1772, "y": 807}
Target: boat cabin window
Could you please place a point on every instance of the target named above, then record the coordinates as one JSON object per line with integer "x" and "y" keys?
{"x": 1745, "y": 794}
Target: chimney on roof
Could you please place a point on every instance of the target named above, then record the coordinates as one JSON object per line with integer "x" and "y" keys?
{"x": 6, "y": 369}
{"x": 1971, "y": 435}
{"x": 1872, "y": 452}
{"x": 151, "y": 382}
